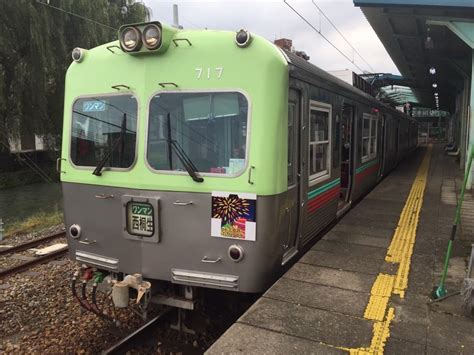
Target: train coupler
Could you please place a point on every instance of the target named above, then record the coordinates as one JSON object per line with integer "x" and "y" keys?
{"x": 121, "y": 291}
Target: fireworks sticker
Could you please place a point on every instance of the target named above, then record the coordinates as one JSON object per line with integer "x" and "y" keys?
{"x": 233, "y": 215}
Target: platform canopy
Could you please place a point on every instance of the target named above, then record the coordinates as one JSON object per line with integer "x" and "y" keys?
{"x": 413, "y": 34}
{"x": 432, "y": 45}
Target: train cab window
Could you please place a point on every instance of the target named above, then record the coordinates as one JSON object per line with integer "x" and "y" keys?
{"x": 319, "y": 142}
{"x": 104, "y": 125}
{"x": 369, "y": 137}
{"x": 210, "y": 128}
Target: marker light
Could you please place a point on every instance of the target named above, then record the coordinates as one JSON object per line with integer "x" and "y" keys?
{"x": 78, "y": 54}
{"x": 242, "y": 38}
{"x": 75, "y": 231}
{"x": 130, "y": 39}
{"x": 152, "y": 36}
{"x": 236, "y": 253}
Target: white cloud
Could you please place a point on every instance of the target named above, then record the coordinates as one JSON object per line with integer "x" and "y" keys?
{"x": 274, "y": 19}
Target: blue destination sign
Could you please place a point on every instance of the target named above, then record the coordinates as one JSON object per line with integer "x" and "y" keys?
{"x": 93, "y": 106}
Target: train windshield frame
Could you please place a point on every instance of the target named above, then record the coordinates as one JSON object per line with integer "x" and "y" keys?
{"x": 211, "y": 127}
{"x": 97, "y": 124}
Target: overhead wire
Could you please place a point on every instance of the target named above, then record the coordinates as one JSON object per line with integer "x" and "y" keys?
{"x": 323, "y": 36}
{"x": 342, "y": 35}
{"x": 75, "y": 15}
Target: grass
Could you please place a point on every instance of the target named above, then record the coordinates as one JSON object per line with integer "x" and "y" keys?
{"x": 34, "y": 223}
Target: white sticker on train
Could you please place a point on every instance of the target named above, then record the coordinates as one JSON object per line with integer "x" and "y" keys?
{"x": 233, "y": 215}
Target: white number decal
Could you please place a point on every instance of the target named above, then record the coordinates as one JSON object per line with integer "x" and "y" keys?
{"x": 199, "y": 72}
{"x": 218, "y": 72}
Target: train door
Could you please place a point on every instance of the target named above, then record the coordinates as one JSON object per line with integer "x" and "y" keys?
{"x": 292, "y": 204}
{"x": 347, "y": 154}
{"x": 383, "y": 146}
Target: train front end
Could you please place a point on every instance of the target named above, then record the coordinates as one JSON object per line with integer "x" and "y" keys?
{"x": 172, "y": 163}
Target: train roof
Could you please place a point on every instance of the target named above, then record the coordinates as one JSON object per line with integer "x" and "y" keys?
{"x": 301, "y": 64}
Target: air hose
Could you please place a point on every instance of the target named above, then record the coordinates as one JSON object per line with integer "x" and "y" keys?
{"x": 98, "y": 277}
{"x": 440, "y": 291}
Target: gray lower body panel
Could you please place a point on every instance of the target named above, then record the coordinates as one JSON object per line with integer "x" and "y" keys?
{"x": 184, "y": 238}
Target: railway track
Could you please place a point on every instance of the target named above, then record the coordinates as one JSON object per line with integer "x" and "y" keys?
{"x": 123, "y": 345}
{"x": 37, "y": 261}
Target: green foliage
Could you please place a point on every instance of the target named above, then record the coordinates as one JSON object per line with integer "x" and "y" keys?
{"x": 36, "y": 41}
{"x": 35, "y": 223}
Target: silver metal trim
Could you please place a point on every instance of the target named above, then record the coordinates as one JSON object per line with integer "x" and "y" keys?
{"x": 103, "y": 196}
{"x": 210, "y": 261}
{"x": 180, "y": 203}
{"x": 137, "y": 136}
{"x": 87, "y": 241}
{"x": 204, "y": 278}
{"x": 198, "y": 91}
{"x": 99, "y": 260}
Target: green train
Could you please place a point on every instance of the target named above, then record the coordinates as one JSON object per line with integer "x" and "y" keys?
{"x": 200, "y": 158}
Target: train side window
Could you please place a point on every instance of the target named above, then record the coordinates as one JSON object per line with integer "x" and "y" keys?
{"x": 369, "y": 137}
{"x": 319, "y": 142}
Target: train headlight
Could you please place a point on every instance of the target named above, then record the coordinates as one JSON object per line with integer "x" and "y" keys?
{"x": 152, "y": 36}
{"x": 236, "y": 253}
{"x": 242, "y": 38}
{"x": 75, "y": 231}
{"x": 130, "y": 39}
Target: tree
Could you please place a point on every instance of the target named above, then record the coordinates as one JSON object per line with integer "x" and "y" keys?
{"x": 36, "y": 40}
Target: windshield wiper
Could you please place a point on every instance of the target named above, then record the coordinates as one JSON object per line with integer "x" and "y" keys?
{"x": 118, "y": 141}
{"x": 181, "y": 154}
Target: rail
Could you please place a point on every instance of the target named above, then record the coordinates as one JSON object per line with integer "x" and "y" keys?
{"x": 37, "y": 261}
{"x": 124, "y": 344}
{"x": 32, "y": 243}
{"x": 29, "y": 264}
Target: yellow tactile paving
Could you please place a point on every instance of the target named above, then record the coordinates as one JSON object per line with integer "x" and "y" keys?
{"x": 376, "y": 308}
{"x": 383, "y": 285}
{"x": 379, "y": 296}
{"x": 381, "y": 333}
{"x": 399, "y": 251}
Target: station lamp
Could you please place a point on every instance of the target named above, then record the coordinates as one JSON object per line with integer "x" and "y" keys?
{"x": 429, "y": 41}
{"x": 432, "y": 70}
{"x": 435, "y": 85}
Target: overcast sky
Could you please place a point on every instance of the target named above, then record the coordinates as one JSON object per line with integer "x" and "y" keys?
{"x": 273, "y": 19}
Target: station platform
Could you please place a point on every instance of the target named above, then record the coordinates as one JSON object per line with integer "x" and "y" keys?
{"x": 365, "y": 286}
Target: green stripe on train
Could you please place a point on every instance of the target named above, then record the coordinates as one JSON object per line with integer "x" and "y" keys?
{"x": 320, "y": 190}
{"x": 365, "y": 166}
